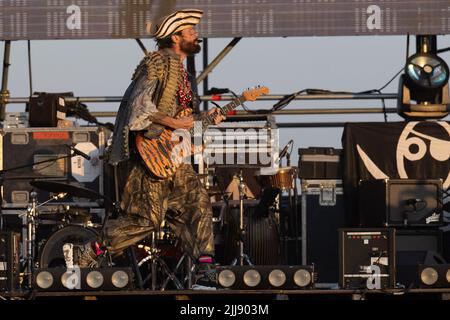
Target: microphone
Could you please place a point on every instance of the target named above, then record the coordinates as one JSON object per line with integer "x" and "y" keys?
{"x": 284, "y": 152}
{"x": 78, "y": 152}
{"x": 412, "y": 201}
{"x": 215, "y": 90}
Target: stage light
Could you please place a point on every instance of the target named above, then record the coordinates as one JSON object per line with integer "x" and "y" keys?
{"x": 302, "y": 278}
{"x": 227, "y": 278}
{"x": 434, "y": 276}
{"x": 265, "y": 277}
{"x": 44, "y": 280}
{"x": 95, "y": 279}
{"x": 120, "y": 279}
{"x": 252, "y": 278}
{"x": 429, "y": 276}
{"x": 426, "y": 71}
{"x": 84, "y": 279}
{"x": 425, "y": 81}
{"x": 277, "y": 278}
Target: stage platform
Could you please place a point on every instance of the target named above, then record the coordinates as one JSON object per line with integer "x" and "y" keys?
{"x": 243, "y": 295}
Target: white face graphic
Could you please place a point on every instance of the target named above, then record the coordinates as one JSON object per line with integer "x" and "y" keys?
{"x": 439, "y": 149}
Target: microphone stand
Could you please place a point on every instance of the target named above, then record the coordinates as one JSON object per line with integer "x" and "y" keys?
{"x": 242, "y": 256}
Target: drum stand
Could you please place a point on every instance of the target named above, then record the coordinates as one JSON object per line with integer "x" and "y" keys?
{"x": 156, "y": 260}
{"x": 242, "y": 256}
{"x": 30, "y": 239}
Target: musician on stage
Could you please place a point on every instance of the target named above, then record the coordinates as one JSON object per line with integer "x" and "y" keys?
{"x": 158, "y": 92}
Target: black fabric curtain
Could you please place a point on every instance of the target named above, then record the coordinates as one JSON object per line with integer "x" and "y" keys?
{"x": 397, "y": 150}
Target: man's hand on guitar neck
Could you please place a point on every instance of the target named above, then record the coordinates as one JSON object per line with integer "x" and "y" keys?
{"x": 219, "y": 117}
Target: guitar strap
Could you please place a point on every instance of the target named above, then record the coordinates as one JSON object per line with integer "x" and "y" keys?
{"x": 164, "y": 65}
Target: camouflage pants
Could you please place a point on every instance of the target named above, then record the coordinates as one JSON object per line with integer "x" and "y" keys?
{"x": 181, "y": 201}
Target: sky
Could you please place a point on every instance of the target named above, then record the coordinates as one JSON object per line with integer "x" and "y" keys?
{"x": 285, "y": 65}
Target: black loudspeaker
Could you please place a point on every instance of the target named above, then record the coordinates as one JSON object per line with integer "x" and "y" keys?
{"x": 367, "y": 258}
{"x": 9, "y": 261}
{"x": 416, "y": 247}
{"x": 46, "y": 108}
{"x": 400, "y": 202}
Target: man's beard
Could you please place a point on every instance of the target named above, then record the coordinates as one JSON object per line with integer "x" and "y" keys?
{"x": 190, "y": 48}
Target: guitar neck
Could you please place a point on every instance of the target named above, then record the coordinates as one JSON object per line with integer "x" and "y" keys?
{"x": 209, "y": 119}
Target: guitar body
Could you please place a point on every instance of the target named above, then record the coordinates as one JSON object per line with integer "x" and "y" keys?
{"x": 160, "y": 154}
{"x": 164, "y": 154}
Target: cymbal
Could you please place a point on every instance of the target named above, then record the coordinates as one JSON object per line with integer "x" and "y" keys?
{"x": 67, "y": 187}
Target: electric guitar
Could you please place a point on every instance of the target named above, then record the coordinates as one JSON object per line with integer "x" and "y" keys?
{"x": 164, "y": 154}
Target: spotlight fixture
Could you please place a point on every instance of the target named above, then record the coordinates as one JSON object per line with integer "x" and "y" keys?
{"x": 82, "y": 279}
{"x": 266, "y": 277}
{"x": 434, "y": 276}
{"x": 426, "y": 71}
{"x": 425, "y": 81}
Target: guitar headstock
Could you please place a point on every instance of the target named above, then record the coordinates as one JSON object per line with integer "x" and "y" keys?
{"x": 252, "y": 94}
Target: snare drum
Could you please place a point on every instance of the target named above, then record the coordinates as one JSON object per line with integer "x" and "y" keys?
{"x": 284, "y": 179}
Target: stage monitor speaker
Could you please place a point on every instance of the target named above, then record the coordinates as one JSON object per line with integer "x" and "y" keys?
{"x": 416, "y": 247}
{"x": 367, "y": 258}
{"x": 400, "y": 202}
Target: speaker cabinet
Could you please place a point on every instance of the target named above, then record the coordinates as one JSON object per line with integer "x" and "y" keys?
{"x": 400, "y": 202}
{"x": 416, "y": 247}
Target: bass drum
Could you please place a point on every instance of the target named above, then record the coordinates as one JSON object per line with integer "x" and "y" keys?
{"x": 52, "y": 255}
{"x": 261, "y": 239}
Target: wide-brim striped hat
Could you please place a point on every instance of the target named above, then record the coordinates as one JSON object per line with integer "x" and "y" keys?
{"x": 175, "y": 22}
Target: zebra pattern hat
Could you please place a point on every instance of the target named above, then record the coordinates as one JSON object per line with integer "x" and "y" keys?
{"x": 175, "y": 22}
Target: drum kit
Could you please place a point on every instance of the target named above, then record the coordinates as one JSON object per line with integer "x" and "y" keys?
{"x": 68, "y": 224}
{"x": 276, "y": 180}
{"x": 77, "y": 226}
{"x": 74, "y": 224}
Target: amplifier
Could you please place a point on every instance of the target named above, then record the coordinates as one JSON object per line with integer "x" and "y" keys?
{"x": 400, "y": 202}
{"x": 367, "y": 258}
{"x": 251, "y": 140}
{"x": 9, "y": 261}
{"x": 25, "y": 146}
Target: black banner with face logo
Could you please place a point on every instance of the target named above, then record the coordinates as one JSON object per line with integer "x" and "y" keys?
{"x": 397, "y": 150}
